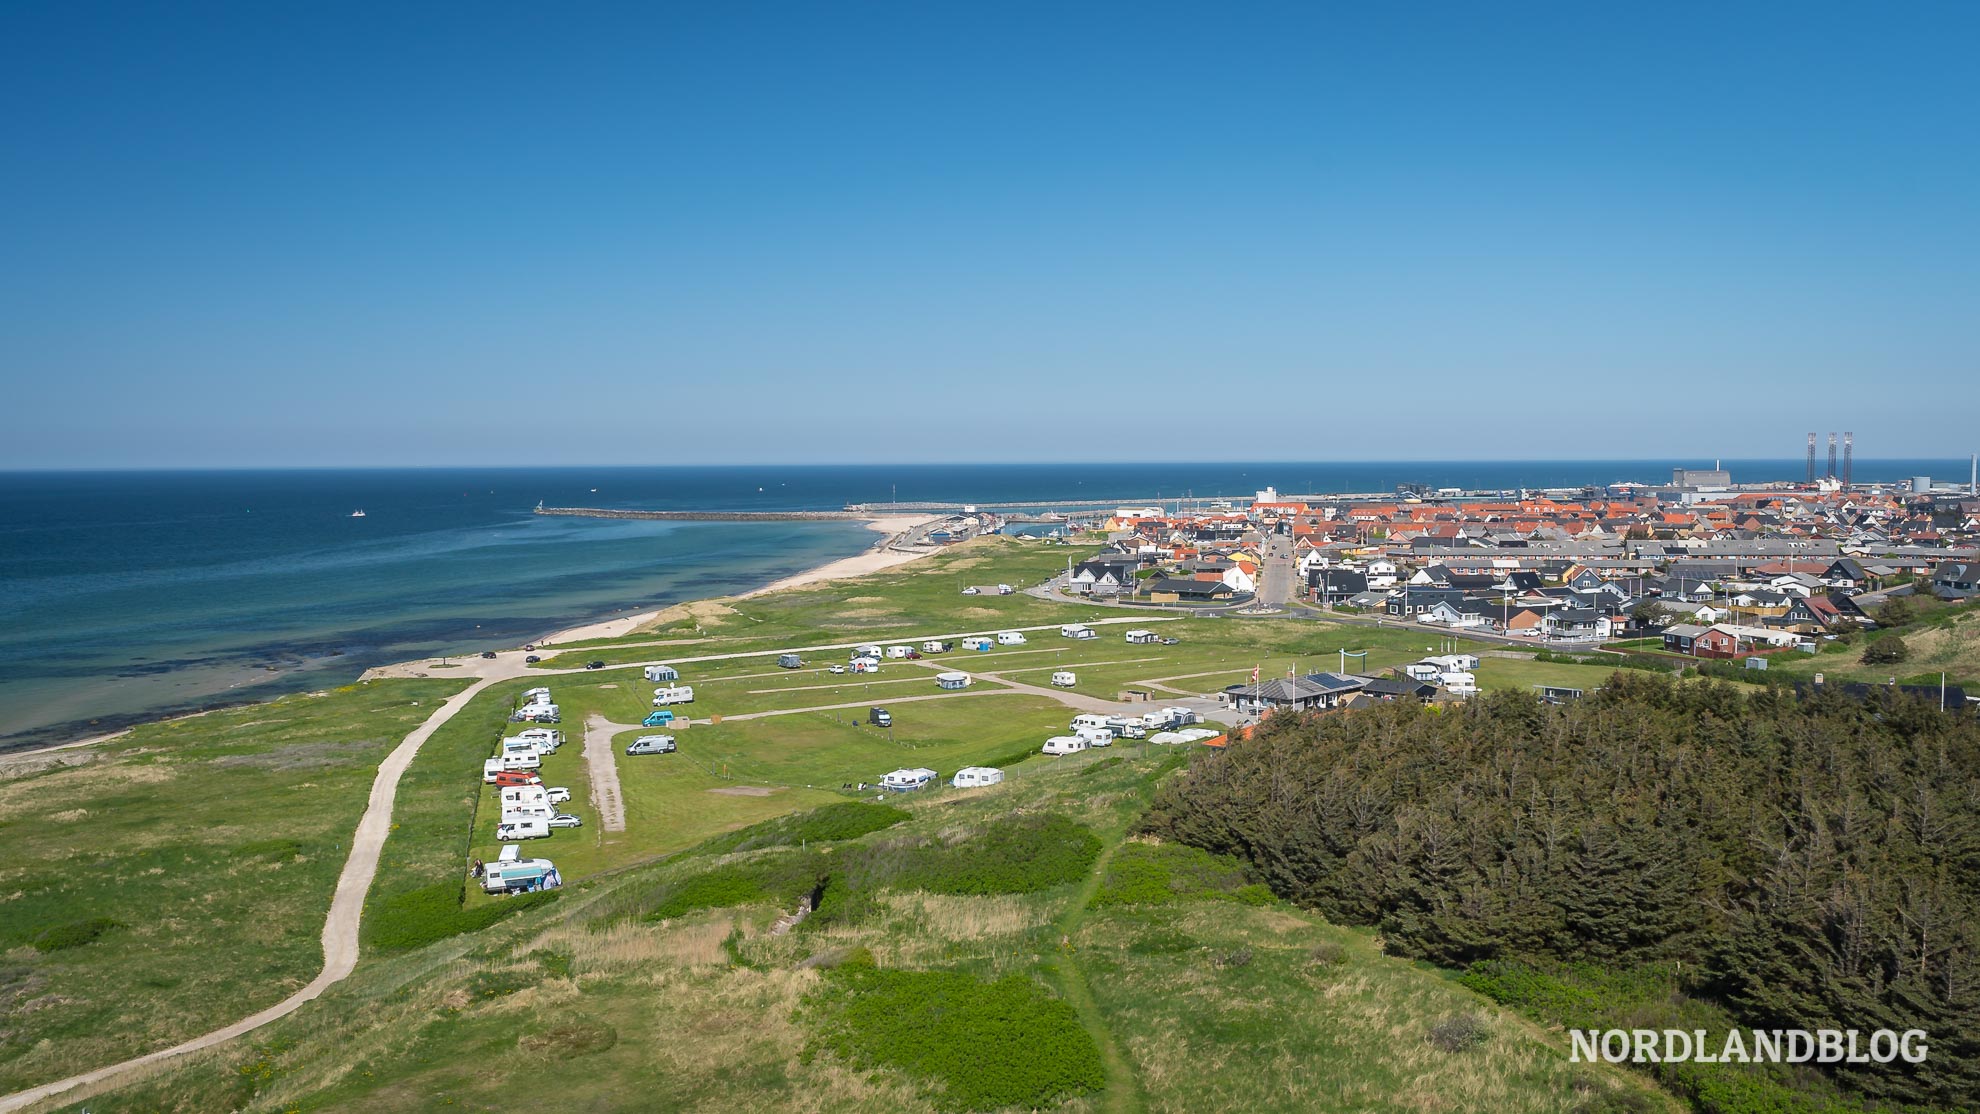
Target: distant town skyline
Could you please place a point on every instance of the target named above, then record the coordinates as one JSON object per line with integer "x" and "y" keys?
{"x": 256, "y": 237}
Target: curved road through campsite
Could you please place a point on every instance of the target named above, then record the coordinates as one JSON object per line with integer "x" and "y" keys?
{"x": 340, "y": 928}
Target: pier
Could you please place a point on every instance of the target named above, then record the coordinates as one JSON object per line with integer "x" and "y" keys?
{"x": 709, "y": 516}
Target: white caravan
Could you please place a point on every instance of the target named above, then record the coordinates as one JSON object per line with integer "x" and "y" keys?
{"x": 971, "y": 777}
{"x": 1065, "y": 678}
{"x": 1009, "y": 638}
{"x": 1059, "y": 745}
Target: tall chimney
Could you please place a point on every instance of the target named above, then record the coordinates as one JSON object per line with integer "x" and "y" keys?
{"x": 1832, "y": 455}
{"x": 1849, "y": 450}
{"x": 1811, "y": 460}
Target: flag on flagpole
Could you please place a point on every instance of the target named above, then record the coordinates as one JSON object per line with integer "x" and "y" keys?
{"x": 1254, "y": 674}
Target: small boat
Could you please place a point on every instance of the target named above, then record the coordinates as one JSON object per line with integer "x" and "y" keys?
{"x": 359, "y": 513}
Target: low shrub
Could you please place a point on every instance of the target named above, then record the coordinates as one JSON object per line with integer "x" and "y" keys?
{"x": 75, "y": 934}
{"x": 1458, "y": 1033}
{"x": 1327, "y": 955}
{"x": 820, "y": 825}
{"x": 1021, "y": 855}
{"x": 975, "y": 1045}
{"x": 1236, "y": 957}
{"x": 778, "y": 880}
{"x": 415, "y": 918}
{"x": 1159, "y": 873}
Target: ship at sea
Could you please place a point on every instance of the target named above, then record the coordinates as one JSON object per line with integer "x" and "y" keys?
{"x": 359, "y": 513}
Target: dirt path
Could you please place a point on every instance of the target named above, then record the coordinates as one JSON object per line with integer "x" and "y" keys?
{"x": 601, "y": 762}
{"x": 340, "y": 928}
{"x": 1123, "y": 1093}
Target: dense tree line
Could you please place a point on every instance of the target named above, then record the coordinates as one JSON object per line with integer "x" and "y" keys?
{"x": 1818, "y": 860}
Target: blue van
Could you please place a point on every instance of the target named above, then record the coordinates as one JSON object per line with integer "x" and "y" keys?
{"x": 661, "y": 718}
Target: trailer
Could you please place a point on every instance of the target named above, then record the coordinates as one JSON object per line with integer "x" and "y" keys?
{"x": 1009, "y": 638}
{"x": 1065, "y": 679}
{"x": 660, "y": 673}
{"x": 789, "y": 661}
{"x": 934, "y": 646}
{"x": 952, "y": 680}
{"x": 1060, "y": 745}
{"x": 1139, "y": 637}
{"x": 907, "y": 781}
{"x": 973, "y": 777}
{"x": 977, "y": 642}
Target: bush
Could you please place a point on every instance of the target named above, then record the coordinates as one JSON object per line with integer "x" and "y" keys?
{"x": 75, "y": 934}
{"x": 1157, "y": 874}
{"x": 1895, "y": 612}
{"x": 821, "y": 825}
{"x": 1236, "y": 957}
{"x": 1458, "y": 1033}
{"x": 1886, "y": 651}
{"x": 976, "y": 1045}
{"x": 1327, "y": 955}
{"x": 779, "y": 880}
{"x": 415, "y": 918}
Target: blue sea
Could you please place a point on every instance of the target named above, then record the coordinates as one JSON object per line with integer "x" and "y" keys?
{"x": 128, "y": 595}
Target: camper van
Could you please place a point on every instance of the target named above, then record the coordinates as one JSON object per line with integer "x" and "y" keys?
{"x": 977, "y": 642}
{"x": 520, "y": 875}
{"x": 880, "y": 717}
{"x": 659, "y": 674}
{"x": 864, "y": 665}
{"x": 651, "y": 744}
{"x": 789, "y": 661}
{"x": 1010, "y": 638}
{"x": 501, "y": 764}
{"x": 1096, "y": 722}
{"x": 1140, "y": 637}
{"x": 661, "y": 718}
{"x": 519, "y": 745}
{"x": 510, "y": 777}
{"x": 1460, "y": 684}
{"x": 545, "y": 739}
{"x": 1060, "y": 745}
{"x": 933, "y": 646}
{"x": 536, "y": 696}
{"x": 1076, "y": 630}
{"x": 538, "y": 713}
{"x": 900, "y": 651}
{"x": 952, "y": 680}
{"x": 1065, "y": 678}
{"x": 523, "y": 829}
{"x": 904, "y": 781}
{"x": 972, "y": 777}
{"x": 868, "y": 651}
{"x": 677, "y": 694}
{"x": 522, "y": 814}
{"x": 520, "y": 796}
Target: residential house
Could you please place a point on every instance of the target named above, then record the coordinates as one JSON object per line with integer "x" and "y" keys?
{"x": 1314, "y": 692}
{"x": 1956, "y": 580}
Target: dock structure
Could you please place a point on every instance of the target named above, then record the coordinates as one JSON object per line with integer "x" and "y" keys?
{"x": 707, "y": 516}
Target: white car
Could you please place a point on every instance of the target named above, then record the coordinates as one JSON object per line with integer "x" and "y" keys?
{"x": 972, "y": 591}
{"x": 566, "y": 820}
{"x": 835, "y": 669}
{"x": 557, "y": 794}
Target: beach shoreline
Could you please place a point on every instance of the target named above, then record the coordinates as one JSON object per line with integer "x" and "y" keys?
{"x": 883, "y": 554}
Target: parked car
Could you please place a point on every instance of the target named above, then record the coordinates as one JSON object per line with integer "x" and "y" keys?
{"x": 652, "y": 744}
{"x": 835, "y": 669}
{"x": 488, "y": 653}
{"x": 594, "y": 665}
{"x": 914, "y": 655}
{"x": 566, "y": 820}
{"x": 661, "y": 718}
{"x": 557, "y": 794}
{"x": 1171, "y": 641}
{"x": 881, "y": 717}
{"x": 531, "y": 660}
{"x": 529, "y": 645}
{"x": 972, "y": 591}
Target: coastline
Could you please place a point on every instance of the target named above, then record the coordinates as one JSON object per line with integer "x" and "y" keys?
{"x": 881, "y": 555}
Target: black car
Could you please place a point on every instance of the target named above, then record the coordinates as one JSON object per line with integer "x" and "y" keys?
{"x": 531, "y": 660}
{"x": 488, "y": 653}
{"x": 594, "y": 665}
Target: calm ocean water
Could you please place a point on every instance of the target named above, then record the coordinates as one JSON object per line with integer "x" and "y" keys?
{"x": 131, "y": 594}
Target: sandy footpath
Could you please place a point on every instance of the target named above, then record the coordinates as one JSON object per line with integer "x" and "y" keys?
{"x": 601, "y": 762}
{"x": 883, "y": 555}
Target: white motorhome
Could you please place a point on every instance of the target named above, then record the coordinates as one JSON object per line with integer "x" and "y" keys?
{"x": 864, "y": 665}
{"x": 509, "y": 763}
{"x": 1460, "y": 684}
{"x": 522, "y": 814}
{"x": 971, "y": 777}
{"x": 662, "y": 673}
{"x": 1096, "y": 722}
{"x": 1096, "y": 736}
{"x": 519, "y": 745}
{"x": 536, "y": 696}
{"x": 539, "y": 713}
{"x": 902, "y": 781}
{"x": 1060, "y": 745}
{"x": 520, "y": 796}
{"x": 676, "y": 694}
{"x": 520, "y": 875}
{"x": 1453, "y": 663}
{"x": 952, "y": 680}
{"x": 1010, "y": 638}
{"x": 523, "y": 829}
{"x": 1065, "y": 678}
{"x": 545, "y": 739}
{"x": 899, "y": 651}
{"x": 867, "y": 651}
{"x": 1423, "y": 671}
{"x": 1141, "y": 637}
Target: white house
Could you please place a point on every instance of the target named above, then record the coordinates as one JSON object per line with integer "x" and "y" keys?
{"x": 1381, "y": 573}
{"x": 1238, "y": 580}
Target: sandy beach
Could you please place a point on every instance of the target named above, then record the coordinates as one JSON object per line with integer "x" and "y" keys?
{"x": 883, "y": 555}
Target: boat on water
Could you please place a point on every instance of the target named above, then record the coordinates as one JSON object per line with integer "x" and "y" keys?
{"x": 359, "y": 513}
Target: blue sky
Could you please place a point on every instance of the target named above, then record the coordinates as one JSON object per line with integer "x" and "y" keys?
{"x": 525, "y": 233}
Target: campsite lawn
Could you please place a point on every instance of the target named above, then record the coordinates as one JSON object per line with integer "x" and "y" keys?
{"x": 177, "y": 878}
